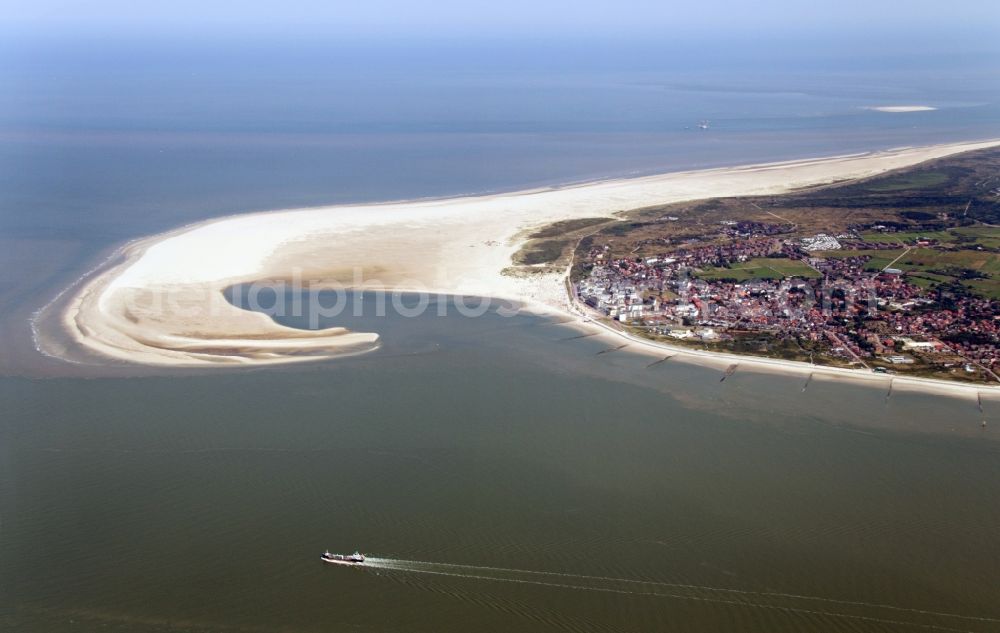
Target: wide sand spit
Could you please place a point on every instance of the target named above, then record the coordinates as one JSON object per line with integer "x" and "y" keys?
{"x": 161, "y": 301}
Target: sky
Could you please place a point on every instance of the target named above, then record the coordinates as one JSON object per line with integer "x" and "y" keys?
{"x": 560, "y": 18}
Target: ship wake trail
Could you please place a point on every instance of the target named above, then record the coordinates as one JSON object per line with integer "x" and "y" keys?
{"x": 791, "y": 603}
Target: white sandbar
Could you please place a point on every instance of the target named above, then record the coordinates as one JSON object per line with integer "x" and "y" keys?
{"x": 902, "y": 108}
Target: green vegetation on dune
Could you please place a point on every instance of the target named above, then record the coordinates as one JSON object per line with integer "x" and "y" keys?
{"x": 552, "y": 244}
{"x": 538, "y": 252}
{"x": 907, "y": 181}
{"x": 559, "y": 229}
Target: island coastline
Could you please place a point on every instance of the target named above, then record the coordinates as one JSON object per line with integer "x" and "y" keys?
{"x": 454, "y": 246}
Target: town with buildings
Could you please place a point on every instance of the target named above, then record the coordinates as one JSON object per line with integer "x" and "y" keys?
{"x": 859, "y": 298}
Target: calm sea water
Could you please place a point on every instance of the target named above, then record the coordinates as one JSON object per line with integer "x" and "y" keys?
{"x": 504, "y": 475}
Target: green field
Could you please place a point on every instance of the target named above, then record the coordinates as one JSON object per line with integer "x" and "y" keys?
{"x": 878, "y": 261}
{"x": 760, "y": 268}
{"x": 989, "y": 288}
{"x": 919, "y": 263}
{"x": 925, "y": 259}
{"x": 964, "y": 237}
{"x": 922, "y": 259}
{"x": 908, "y": 237}
{"x": 985, "y": 236}
{"x": 927, "y": 280}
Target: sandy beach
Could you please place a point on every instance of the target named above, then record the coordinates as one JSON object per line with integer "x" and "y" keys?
{"x": 161, "y": 302}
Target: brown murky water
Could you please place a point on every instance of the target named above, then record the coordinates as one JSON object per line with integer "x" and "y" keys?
{"x": 504, "y": 479}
